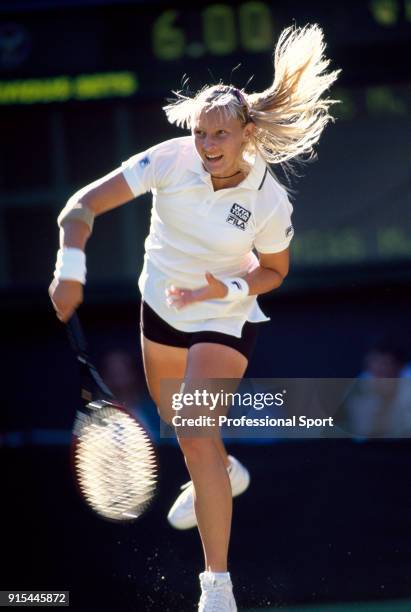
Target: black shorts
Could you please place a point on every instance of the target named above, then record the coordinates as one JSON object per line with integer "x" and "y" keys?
{"x": 156, "y": 329}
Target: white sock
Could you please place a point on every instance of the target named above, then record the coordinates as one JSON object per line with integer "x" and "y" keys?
{"x": 220, "y": 575}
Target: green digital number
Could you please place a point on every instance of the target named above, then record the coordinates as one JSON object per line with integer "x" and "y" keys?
{"x": 168, "y": 41}
{"x": 256, "y": 28}
{"x": 219, "y": 29}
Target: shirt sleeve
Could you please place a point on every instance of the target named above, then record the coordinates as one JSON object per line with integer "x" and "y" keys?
{"x": 277, "y": 230}
{"x": 149, "y": 170}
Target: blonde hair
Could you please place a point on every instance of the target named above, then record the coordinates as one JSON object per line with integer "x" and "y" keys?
{"x": 290, "y": 115}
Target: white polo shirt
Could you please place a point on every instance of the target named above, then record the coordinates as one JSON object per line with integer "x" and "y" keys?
{"x": 195, "y": 229}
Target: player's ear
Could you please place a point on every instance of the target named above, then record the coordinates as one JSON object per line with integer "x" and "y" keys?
{"x": 248, "y": 130}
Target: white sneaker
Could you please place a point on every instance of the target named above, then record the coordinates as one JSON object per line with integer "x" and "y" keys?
{"x": 216, "y": 593}
{"x": 182, "y": 515}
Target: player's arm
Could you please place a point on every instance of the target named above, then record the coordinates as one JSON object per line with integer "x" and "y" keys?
{"x": 269, "y": 275}
{"x": 76, "y": 218}
{"x": 76, "y": 223}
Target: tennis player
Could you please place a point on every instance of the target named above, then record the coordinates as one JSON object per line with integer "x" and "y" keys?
{"x": 214, "y": 202}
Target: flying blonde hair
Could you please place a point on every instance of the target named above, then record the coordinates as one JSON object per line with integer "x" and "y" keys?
{"x": 290, "y": 115}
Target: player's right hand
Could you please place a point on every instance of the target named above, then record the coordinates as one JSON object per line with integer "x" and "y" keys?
{"x": 66, "y": 296}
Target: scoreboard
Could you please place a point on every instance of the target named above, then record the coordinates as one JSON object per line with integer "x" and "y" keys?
{"x": 66, "y": 50}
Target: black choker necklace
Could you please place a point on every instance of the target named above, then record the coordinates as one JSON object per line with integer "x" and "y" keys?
{"x": 226, "y": 177}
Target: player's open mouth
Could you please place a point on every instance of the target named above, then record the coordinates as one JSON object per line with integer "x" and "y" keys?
{"x": 213, "y": 158}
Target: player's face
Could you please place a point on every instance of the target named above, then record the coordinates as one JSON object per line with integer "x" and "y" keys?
{"x": 219, "y": 141}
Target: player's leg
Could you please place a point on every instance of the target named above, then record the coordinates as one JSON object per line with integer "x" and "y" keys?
{"x": 164, "y": 350}
{"x": 203, "y": 456}
{"x": 223, "y": 453}
{"x": 181, "y": 514}
{"x": 162, "y": 362}
{"x": 164, "y": 356}
{"x": 212, "y": 497}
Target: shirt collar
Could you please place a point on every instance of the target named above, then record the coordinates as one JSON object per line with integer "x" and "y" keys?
{"x": 253, "y": 180}
{"x": 257, "y": 174}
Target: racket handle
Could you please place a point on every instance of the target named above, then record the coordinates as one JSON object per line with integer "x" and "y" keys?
{"x": 76, "y": 335}
{"x": 79, "y": 345}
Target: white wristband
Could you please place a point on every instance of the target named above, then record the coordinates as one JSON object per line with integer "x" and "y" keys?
{"x": 70, "y": 265}
{"x": 237, "y": 288}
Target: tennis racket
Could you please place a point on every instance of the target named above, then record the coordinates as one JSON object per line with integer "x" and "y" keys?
{"x": 115, "y": 464}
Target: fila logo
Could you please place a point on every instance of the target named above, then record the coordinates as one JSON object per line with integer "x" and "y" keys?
{"x": 236, "y": 284}
{"x": 238, "y": 216}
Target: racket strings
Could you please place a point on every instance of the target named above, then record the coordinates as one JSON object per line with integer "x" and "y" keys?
{"x": 115, "y": 464}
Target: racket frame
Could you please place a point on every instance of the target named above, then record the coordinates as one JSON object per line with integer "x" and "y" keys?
{"x": 92, "y": 402}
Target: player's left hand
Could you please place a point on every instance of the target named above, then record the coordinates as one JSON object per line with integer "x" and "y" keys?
{"x": 180, "y": 298}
